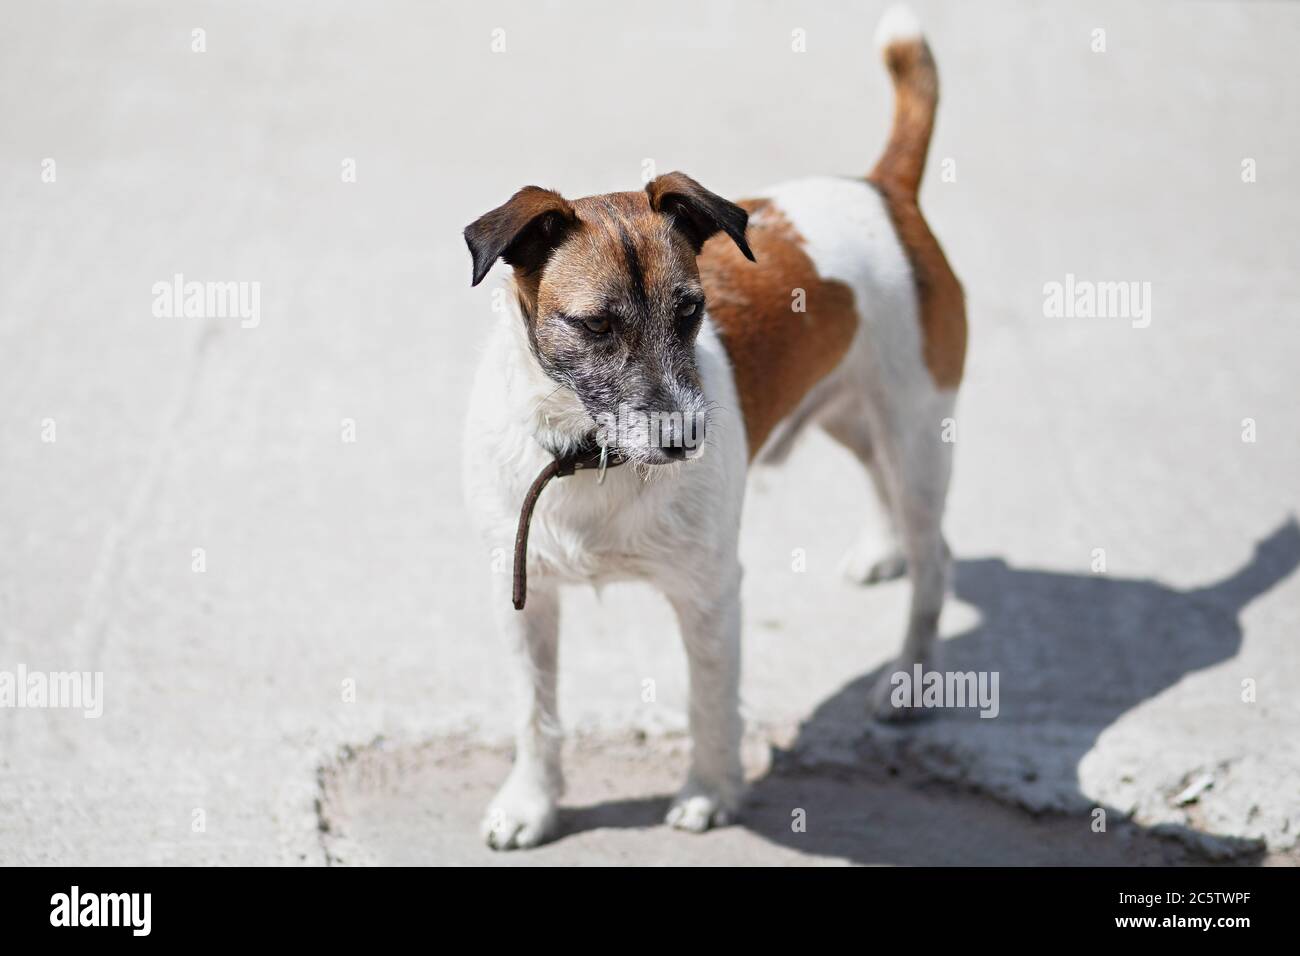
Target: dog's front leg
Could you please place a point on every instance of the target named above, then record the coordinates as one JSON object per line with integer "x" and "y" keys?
{"x": 710, "y": 625}
{"x": 523, "y": 813}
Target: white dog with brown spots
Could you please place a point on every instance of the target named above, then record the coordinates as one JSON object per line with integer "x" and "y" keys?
{"x": 659, "y": 330}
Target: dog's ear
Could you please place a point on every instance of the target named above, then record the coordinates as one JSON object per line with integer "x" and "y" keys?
{"x": 696, "y": 212}
{"x": 523, "y": 231}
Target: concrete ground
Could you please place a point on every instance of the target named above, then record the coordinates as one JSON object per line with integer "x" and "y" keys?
{"x": 329, "y": 689}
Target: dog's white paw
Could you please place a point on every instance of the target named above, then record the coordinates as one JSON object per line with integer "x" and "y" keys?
{"x": 521, "y": 816}
{"x": 697, "y": 810}
{"x": 870, "y": 562}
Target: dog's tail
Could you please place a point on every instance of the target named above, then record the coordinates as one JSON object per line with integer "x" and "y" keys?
{"x": 916, "y": 93}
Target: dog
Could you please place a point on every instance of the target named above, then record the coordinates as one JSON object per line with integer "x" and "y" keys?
{"x": 685, "y": 337}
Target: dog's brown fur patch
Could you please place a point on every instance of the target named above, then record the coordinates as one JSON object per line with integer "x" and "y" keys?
{"x": 590, "y": 270}
{"x": 777, "y": 354}
{"x": 897, "y": 176}
{"x": 591, "y": 266}
{"x": 916, "y": 94}
{"x": 940, "y": 300}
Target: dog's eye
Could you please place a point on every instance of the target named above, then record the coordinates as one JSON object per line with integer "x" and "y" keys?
{"x": 596, "y": 324}
{"x": 689, "y": 314}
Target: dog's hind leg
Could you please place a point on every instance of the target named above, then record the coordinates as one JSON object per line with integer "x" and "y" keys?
{"x": 523, "y": 813}
{"x": 710, "y": 625}
{"x": 876, "y": 555}
{"x": 915, "y": 451}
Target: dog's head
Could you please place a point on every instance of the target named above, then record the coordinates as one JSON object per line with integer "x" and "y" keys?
{"x": 611, "y": 295}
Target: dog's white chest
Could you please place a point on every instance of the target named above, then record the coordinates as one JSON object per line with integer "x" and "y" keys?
{"x": 665, "y": 520}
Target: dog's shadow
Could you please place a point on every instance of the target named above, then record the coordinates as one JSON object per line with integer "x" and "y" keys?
{"x": 1074, "y": 653}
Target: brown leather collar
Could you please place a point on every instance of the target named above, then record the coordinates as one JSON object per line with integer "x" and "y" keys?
{"x": 588, "y": 455}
